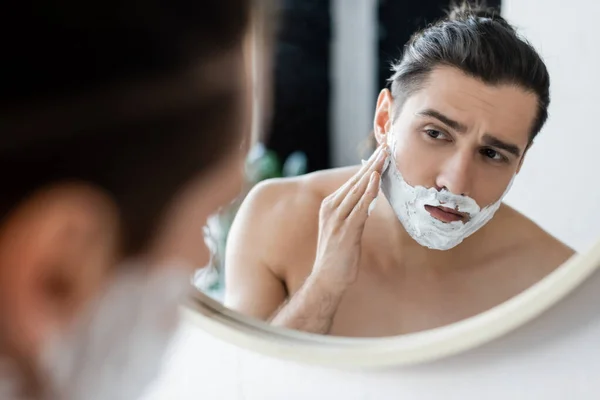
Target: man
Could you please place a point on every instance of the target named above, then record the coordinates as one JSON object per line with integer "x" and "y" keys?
{"x": 124, "y": 126}
{"x": 466, "y": 101}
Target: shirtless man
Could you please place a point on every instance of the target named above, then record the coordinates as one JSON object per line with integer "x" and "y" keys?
{"x": 466, "y": 101}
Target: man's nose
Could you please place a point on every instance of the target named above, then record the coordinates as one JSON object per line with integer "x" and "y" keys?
{"x": 455, "y": 174}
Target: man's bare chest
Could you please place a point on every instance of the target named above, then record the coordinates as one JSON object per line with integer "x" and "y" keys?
{"x": 371, "y": 309}
{"x": 384, "y": 302}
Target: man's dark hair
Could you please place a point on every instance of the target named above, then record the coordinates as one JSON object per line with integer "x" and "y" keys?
{"x": 480, "y": 43}
{"x": 135, "y": 97}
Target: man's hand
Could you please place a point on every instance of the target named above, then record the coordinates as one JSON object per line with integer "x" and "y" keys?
{"x": 342, "y": 220}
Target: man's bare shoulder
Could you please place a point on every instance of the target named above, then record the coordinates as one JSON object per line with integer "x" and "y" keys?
{"x": 283, "y": 212}
{"x": 531, "y": 240}
{"x": 294, "y": 197}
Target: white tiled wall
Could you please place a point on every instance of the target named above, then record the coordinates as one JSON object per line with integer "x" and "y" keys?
{"x": 557, "y": 356}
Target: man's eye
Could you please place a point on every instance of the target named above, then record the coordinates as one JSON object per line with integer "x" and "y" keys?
{"x": 432, "y": 133}
{"x": 493, "y": 154}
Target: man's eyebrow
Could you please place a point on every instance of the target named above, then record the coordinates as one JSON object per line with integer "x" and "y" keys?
{"x": 488, "y": 139}
{"x": 500, "y": 144}
{"x": 430, "y": 112}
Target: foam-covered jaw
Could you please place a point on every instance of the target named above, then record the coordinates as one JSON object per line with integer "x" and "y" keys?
{"x": 408, "y": 203}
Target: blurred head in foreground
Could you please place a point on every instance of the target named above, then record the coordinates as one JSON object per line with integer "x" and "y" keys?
{"x": 123, "y": 126}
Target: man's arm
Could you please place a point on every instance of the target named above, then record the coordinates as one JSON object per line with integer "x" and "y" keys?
{"x": 263, "y": 227}
{"x": 251, "y": 286}
{"x": 311, "y": 309}
{"x": 263, "y": 233}
{"x": 265, "y": 230}
{"x": 342, "y": 217}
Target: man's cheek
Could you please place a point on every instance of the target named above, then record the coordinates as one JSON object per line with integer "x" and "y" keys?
{"x": 412, "y": 165}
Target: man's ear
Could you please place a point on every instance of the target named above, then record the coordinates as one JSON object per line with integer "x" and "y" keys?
{"x": 383, "y": 116}
{"x": 56, "y": 251}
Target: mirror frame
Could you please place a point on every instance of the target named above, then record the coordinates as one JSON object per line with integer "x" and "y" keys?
{"x": 341, "y": 352}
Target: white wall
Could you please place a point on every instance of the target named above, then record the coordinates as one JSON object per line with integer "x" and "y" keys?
{"x": 353, "y": 77}
{"x": 556, "y": 356}
{"x": 559, "y": 185}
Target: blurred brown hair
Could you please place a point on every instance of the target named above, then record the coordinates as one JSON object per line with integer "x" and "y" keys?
{"x": 133, "y": 97}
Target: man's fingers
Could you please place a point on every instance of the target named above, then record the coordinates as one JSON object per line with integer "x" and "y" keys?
{"x": 357, "y": 192}
{"x": 343, "y": 191}
{"x": 340, "y": 194}
{"x": 377, "y": 158}
{"x": 352, "y": 198}
{"x": 359, "y": 214}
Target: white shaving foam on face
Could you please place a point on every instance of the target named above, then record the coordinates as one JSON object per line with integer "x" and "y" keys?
{"x": 409, "y": 203}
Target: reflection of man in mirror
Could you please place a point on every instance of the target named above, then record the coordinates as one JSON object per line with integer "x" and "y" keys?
{"x": 467, "y": 99}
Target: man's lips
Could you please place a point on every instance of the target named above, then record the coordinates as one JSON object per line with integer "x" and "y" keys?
{"x": 445, "y": 214}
